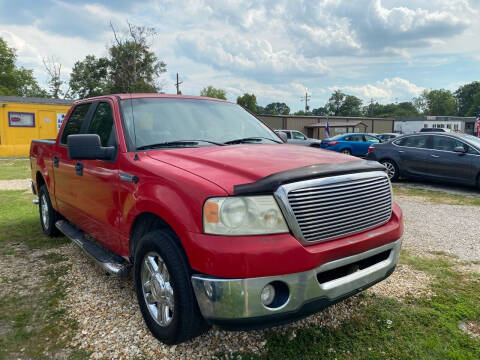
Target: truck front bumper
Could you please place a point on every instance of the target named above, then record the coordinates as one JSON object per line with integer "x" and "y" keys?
{"x": 237, "y": 303}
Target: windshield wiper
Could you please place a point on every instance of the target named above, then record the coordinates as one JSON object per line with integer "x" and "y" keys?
{"x": 177, "y": 143}
{"x": 249, "y": 140}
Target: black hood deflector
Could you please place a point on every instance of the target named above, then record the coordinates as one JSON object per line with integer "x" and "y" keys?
{"x": 270, "y": 183}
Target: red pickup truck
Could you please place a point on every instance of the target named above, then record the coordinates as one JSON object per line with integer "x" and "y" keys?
{"x": 220, "y": 220}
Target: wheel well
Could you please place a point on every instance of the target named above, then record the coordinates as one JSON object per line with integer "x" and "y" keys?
{"x": 39, "y": 180}
{"x": 389, "y": 159}
{"x": 143, "y": 224}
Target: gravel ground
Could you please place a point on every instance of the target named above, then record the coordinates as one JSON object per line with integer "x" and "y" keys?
{"x": 17, "y": 184}
{"x": 111, "y": 326}
{"x": 439, "y": 227}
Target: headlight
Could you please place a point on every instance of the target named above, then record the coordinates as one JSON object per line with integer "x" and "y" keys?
{"x": 238, "y": 215}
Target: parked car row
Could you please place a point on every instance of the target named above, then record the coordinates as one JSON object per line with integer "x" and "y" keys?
{"x": 432, "y": 154}
{"x": 437, "y": 156}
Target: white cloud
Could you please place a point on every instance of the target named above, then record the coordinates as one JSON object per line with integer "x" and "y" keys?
{"x": 386, "y": 90}
{"x": 250, "y": 56}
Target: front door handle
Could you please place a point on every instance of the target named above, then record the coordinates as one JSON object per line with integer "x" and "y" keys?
{"x": 435, "y": 156}
{"x": 401, "y": 151}
{"x": 79, "y": 168}
{"x": 55, "y": 161}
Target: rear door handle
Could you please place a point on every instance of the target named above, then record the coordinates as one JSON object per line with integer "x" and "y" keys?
{"x": 55, "y": 161}
{"x": 401, "y": 151}
{"x": 435, "y": 156}
{"x": 79, "y": 168}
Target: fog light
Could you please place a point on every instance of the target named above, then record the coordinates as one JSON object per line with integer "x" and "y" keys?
{"x": 268, "y": 294}
{"x": 208, "y": 285}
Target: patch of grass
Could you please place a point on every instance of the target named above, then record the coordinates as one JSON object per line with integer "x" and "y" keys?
{"x": 383, "y": 328}
{"x": 33, "y": 325}
{"x": 437, "y": 197}
{"x": 37, "y": 328}
{"x": 53, "y": 258}
{"x": 14, "y": 169}
{"x": 20, "y": 222}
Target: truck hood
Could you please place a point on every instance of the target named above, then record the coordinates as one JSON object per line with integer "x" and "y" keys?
{"x": 232, "y": 165}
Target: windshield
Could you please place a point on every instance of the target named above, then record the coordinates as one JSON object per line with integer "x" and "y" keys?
{"x": 150, "y": 121}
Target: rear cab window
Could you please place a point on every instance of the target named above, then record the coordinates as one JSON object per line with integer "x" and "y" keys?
{"x": 75, "y": 121}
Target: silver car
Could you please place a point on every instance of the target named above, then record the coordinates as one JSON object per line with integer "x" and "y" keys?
{"x": 298, "y": 138}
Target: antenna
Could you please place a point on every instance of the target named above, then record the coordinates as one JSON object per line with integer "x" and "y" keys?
{"x": 177, "y": 84}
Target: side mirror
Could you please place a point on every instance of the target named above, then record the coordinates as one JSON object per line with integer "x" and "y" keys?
{"x": 282, "y": 136}
{"x": 460, "y": 149}
{"x": 88, "y": 147}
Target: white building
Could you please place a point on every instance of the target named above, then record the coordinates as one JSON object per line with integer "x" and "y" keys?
{"x": 409, "y": 125}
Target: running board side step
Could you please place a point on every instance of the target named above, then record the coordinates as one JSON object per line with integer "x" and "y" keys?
{"x": 107, "y": 260}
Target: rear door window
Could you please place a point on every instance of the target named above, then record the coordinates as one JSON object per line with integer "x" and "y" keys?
{"x": 75, "y": 121}
{"x": 355, "y": 138}
{"x": 413, "y": 141}
{"x": 102, "y": 124}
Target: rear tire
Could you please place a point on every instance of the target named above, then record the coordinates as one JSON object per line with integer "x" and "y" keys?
{"x": 48, "y": 215}
{"x": 164, "y": 289}
{"x": 392, "y": 169}
{"x": 347, "y": 151}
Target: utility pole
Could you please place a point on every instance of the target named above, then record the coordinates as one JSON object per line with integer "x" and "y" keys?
{"x": 306, "y": 99}
{"x": 177, "y": 84}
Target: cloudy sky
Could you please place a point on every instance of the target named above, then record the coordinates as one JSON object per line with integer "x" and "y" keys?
{"x": 384, "y": 50}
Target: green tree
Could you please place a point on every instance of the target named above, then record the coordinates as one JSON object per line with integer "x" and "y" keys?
{"x": 14, "y": 80}
{"x": 302, "y": 113}
{"x": 466, "y": 95}
{"x": 248, "y": 101}
{"x": 374, "y": 109}
{"x": 341, "y": 104}
{"x": 132, "y": 66}
{"x": 437, "y": 102}
{"x": 90, "y": 77}
{"x": 321, "y": 111}
{"x": 129, "y": 67}
{"x": 211, "y": 92}
{"x": 277, "y": 108}
{"x": 55, "y": 82}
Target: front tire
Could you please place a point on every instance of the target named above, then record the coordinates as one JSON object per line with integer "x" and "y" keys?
{"x": 48, "y": 215}
{"x": 164, "y": 289}
{"x": 392, "y": 169}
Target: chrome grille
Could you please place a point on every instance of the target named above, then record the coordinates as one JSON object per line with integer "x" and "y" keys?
{"x": 327, "y": 208}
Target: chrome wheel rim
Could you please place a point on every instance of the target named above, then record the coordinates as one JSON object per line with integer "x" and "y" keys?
{"x": 157, "y": 289}
{"x": 44, "y": 211}
{"x": 390, "y": 169}
{"x": 346, "y": 151}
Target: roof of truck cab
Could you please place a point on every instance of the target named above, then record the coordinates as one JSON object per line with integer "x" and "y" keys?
{"x": 150, "y": 95}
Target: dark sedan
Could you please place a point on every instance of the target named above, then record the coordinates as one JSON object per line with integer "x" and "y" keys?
{"x": 434, "y": 156}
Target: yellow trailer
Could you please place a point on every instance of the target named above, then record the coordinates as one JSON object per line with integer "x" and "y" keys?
{"x": 24, "y": 119}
